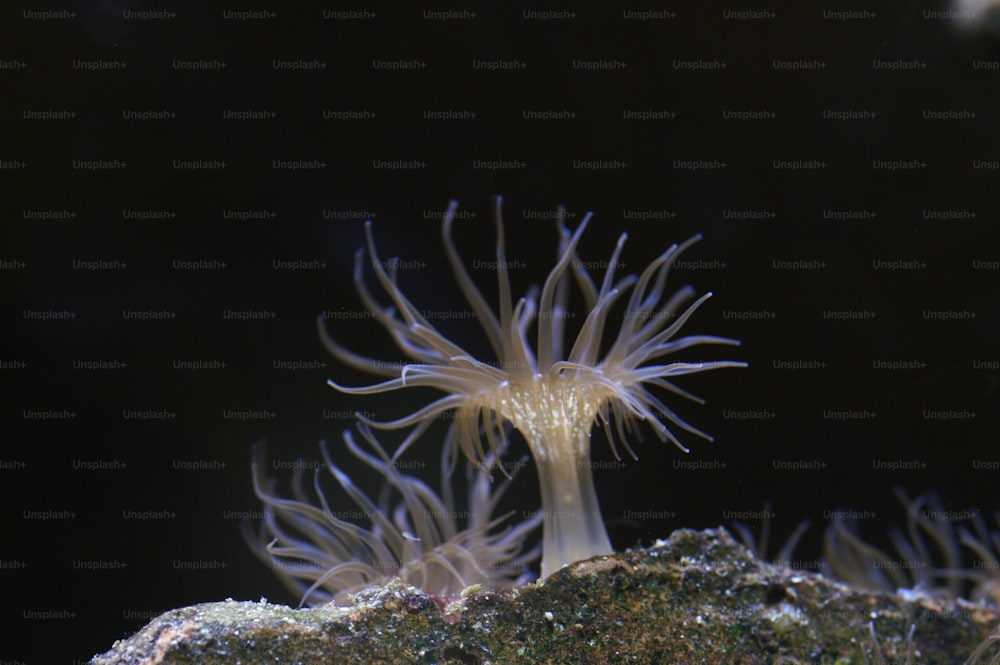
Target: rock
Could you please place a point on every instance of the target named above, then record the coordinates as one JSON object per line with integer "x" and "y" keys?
{"x": 699, "y": 597}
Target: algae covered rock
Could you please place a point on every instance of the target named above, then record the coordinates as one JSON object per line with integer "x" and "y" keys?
{"x": 698, "y": 597}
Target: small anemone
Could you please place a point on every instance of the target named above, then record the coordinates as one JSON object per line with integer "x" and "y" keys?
{"x": 554, "y": 390}
{"x": 928, "y": 553}
{"x": 761, "y": 545}
{"x": 414, "y": 534}
{"x": 916, "y": 564}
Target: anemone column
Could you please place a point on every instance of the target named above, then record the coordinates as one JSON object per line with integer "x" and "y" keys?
{"x": 555, "y": 414}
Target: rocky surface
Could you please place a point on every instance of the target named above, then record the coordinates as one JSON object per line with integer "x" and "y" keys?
{"x": 699, "y": 597}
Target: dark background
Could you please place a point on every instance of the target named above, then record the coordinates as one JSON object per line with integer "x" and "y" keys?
{"x": 70, "y": 454}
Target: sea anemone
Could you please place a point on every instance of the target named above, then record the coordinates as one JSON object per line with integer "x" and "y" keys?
{"x": 916, "y": 564}
{"x": 935, "y": 566}
{"x": 761, "y": 545}
{"x": 552, "y": 397}
{"x": 423, "y": 538}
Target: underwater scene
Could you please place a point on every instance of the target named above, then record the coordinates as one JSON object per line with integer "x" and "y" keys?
{"x": 396, "y": 334}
